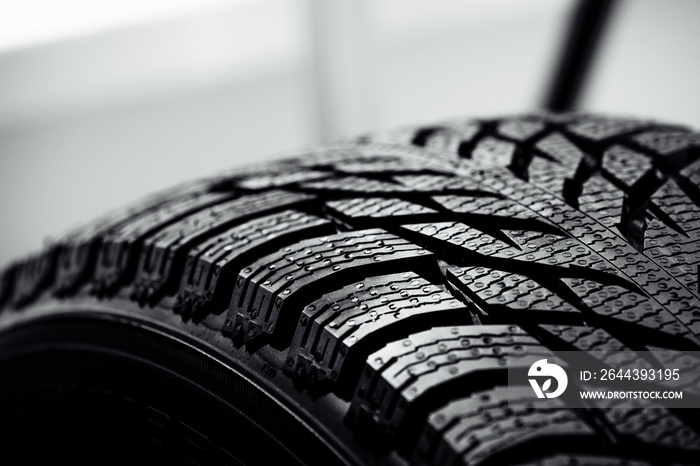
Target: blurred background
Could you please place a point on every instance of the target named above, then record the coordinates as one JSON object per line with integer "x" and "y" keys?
{"x": 104, "y": 101}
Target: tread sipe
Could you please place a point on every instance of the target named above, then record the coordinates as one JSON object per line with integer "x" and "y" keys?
{"x": 359, "y": 303}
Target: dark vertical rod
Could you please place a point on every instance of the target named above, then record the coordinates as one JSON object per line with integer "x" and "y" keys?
{"x": 587, "y": 26}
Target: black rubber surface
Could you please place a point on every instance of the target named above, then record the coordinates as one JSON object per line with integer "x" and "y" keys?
{"x": 374, "y": 289}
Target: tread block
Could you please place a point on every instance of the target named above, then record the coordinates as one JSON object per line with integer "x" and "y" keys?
{"x": 448, "y": 142}
{"x": 503, "y": 219}
{"x": 163, "y": 254}
{"x": 212, "y": 266}
{"x": 463, "y": 236}
{"x": 435, "y": 191}
{"x": 525, "y": 133}
{"x": 452, "y": 139}
{"x": 639, "y": 424}
{"x": 430, "y": 184}
{"x": 74, "y": 264}
{"x": 689, "y": 181}
{"x": 355, "y": 185}
{"x": 601, "y": 129}
{"x": 567, "y": 155}
{"x": 391, "y": 167}
{"x": 558, "y": 118}
{"x": 341, "y": 153}
{"x": 505, "y": 294}
{"x": 676, "y": 252}
{"x": 625, "y": 164}
{"x": 270, "y": 293}
{"x": 79, "y": 250}
{"x": 603, "y": 201}
{"x": 658, "y": 284}
{"x": 372, "y": 156}
{"x": 506, "y": 290}
{"x": 521, "y": 130}
{"x": 485, "y": 205}
{"x": 337, "y": 332}
{"x": 503, "y": 243}
{"x": 625, "y": 305}
{"x": 500, "y": 426}
{"x": 33, "y": 275}
{"x": 492, "y": 151}
{"x": 401, "y": 381}
{"x": 116, "y": 260}
{"x": 281, "y": 179}
{"x": 690, "y": 381}
{"x": 375, "y": 208}
{"x": 667, "y": 142}
{"x": 600, "y": 344}
{"x": 597, "y": 342}
{"x": 405, "y": 185}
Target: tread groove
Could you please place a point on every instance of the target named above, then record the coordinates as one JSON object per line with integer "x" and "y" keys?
{"x": 392, "y": 279}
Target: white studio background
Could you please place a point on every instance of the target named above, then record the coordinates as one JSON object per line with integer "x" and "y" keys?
{"x": 102, "y": 102}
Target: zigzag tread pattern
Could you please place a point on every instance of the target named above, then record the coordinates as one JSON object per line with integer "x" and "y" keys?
{"x": 405, "y": 285}
{"x": 500, "y": 425}
{"x": 613, "y": 169}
